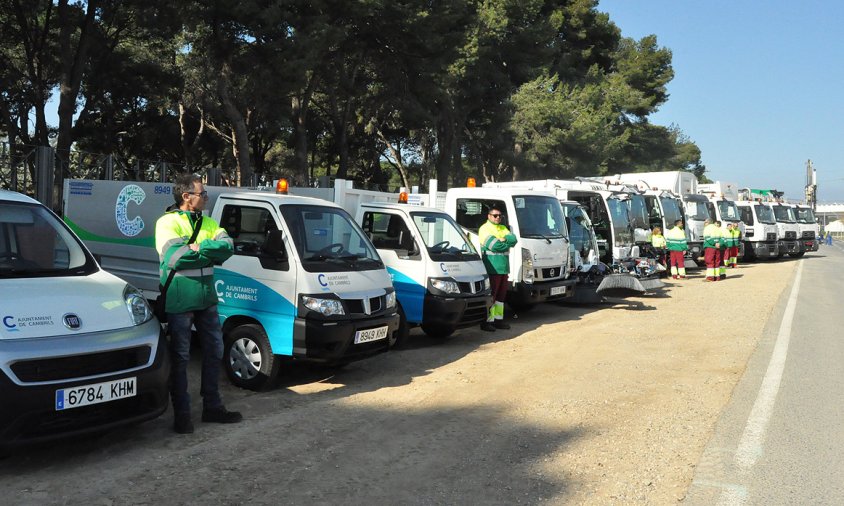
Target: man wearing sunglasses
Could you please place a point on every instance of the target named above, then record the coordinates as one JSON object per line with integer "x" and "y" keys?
{"x": 496, "y": 241}
{"x": 191, "y": 298}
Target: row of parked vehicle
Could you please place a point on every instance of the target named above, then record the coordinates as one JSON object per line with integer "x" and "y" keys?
{"x": 329, "y": 275}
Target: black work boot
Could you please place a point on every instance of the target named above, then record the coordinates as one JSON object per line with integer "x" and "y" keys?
{"x": 182, "y": 423}
{"x": 499, "y": 324}
{"x": 487, "y": 327}
{"x": 221, "y": 415}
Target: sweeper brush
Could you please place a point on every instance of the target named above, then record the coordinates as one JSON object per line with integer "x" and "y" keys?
{"x": 620, "y": 285}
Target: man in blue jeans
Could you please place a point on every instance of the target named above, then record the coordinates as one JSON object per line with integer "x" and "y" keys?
{"x": 192, "y": 300}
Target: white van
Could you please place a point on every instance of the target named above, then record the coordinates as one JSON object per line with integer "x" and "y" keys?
{"x": 80, "y": 350}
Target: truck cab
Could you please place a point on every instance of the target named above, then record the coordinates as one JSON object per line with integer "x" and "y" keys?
{"x": 787, "y": 230}
{"x": 440, "y": 281}
{"x": 760, "y": 232}
{"x": 304, "y": 280}
{"x": 540, "y": 262}
{"x": 809, "y": 229}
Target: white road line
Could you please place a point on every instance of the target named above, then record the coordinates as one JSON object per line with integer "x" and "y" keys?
{"x": 750, "y": 446}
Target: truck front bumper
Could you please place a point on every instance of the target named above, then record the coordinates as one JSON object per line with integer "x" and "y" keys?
{"x": 764, "y": 249}
{"x": 544, "y": 291}
{"x": 333, "y": 341}
{"x": 456, "y": 312}
{"x": 788, "y": 247}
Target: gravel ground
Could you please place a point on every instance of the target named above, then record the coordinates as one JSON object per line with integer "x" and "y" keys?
{"x": 609, "y": 404}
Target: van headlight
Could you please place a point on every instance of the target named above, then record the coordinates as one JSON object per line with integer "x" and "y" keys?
{"x": 137, "y": 305}
{"x": 527, "y": 266}
{"x": 390, "y": 300}
{"x": 326, "y": 307}
{"x": 445, "y": 285}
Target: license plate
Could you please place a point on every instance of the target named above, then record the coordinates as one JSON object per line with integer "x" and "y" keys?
{"x": 365, "y": 336}
{"x": 557, "y": 290}
{"x": 68, "y": 398}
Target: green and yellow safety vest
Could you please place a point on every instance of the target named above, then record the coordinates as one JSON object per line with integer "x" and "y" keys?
{"x": 676, "y": 239}
{"x": 496, "y": 241}
{"x": 192, "y": 287}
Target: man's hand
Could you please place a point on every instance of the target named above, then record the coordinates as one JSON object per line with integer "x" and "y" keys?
{"x": 194, "y": 246}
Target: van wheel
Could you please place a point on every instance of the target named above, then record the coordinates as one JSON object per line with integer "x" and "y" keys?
{"x": 438, "y": 331}
{"x": 248, "y": 358}
{"x": 400, "y": 335}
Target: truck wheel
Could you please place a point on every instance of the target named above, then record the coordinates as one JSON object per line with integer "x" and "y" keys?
{"x": 248, "y": 358}
{"x": 400, "y": 335}
{"x": 438, "y": 331}
{"x": 797, "y": 255}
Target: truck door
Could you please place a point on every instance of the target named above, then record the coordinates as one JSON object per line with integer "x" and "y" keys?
{"x": 390, "y": 234}
{"x": 259, "y": 280}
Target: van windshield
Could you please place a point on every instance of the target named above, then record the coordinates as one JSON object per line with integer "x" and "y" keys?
{"x": 442, "y": 237}
{"x": 540, "y": 217}
{"x": 328, "y": 240}
{"x": 35, "y": 243}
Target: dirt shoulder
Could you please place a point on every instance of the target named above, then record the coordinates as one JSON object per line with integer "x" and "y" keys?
{"x": 608, "y": 405}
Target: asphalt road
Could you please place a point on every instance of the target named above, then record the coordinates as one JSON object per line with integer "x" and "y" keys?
{"x": 780, "y": 439}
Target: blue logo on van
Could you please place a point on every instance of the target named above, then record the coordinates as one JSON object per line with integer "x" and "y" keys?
{"x": 9, "y": 323}
{"x": 322, "y": 281}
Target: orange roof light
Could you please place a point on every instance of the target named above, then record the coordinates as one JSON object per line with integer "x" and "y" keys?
{"x": 281, "y": 186}
{"x": 470, "y": 183}
{"x": 403, "y": 198}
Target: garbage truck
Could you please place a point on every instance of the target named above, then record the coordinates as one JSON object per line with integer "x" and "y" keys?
{"x": 304, "y": 282}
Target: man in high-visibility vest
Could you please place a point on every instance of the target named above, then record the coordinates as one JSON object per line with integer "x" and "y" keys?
{"x": 711, "y": 247}
{"x": 734, "y": 250}
{"x": 191, "y": 299}
{"x": 496, "y": 241}
{"x": 675, "y": 240}
{"x": 720, "y": 265}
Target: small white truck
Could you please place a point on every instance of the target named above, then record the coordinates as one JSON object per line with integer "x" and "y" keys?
{"x": 304, "y": 281}
{"x": 440, "y": 280}
{"x": 540, "y": 264}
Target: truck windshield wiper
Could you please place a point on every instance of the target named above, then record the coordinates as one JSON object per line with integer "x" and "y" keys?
{"x": 547, "y": 239}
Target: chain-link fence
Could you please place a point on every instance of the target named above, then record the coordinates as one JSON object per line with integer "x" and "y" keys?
{"x": 17, "y": 168}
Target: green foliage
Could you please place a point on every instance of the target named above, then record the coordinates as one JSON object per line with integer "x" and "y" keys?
{"x": 385, "y": 92}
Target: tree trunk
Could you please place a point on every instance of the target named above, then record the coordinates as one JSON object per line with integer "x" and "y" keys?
{"x": 72, "y": 68}
{"x": 397, "y": 163}
{"x": 445, "y": 141}
{"x": 299, "y": 110}
{"x": 240, "y": 135}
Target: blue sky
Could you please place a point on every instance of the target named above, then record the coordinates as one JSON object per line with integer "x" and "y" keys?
{"x": 758, "y": 85}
